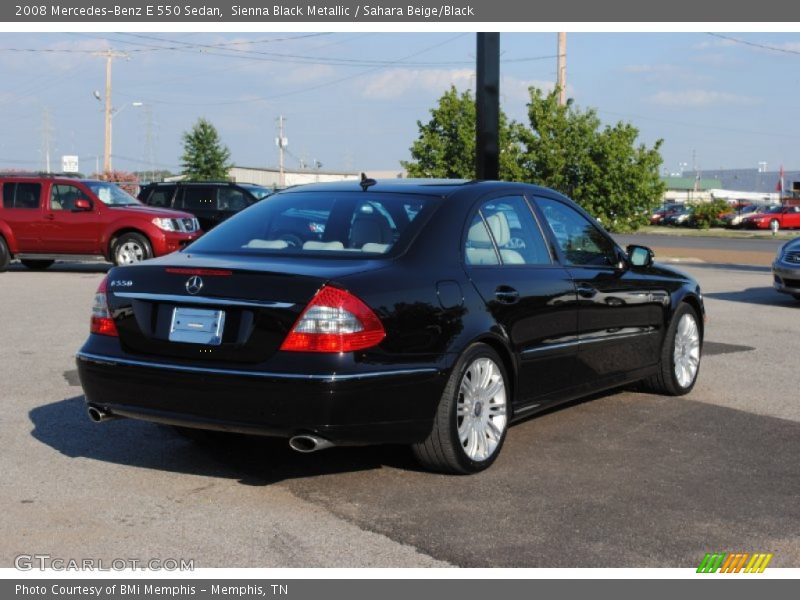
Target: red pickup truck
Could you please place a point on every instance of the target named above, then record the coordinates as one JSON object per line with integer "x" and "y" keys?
{"x": 43, "y": 219}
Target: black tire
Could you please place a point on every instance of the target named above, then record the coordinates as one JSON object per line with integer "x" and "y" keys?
{"x": 665, "y": 381}
{"x": 37, "y": 265}
{"x": 5, "y": 256}
{"x": 796, "y": 296}
{"x": 443, "y": 450}
{"x": 129, "y": 241}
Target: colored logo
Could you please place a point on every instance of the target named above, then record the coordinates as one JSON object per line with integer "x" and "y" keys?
{"x": 741, "y": 562}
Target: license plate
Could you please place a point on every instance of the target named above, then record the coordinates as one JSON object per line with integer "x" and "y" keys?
{"x": 197, "y": 326}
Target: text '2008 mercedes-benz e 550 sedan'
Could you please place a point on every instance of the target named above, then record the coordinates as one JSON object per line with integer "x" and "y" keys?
{"x": 429, "y": 313}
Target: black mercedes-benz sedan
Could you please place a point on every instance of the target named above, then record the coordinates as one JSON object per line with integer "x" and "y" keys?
{"x": 429, "y": 313}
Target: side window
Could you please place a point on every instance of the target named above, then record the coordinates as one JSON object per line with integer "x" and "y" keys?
{"x": 580, "y": 240}
{"x": 230, "y": 198}
{"x": 197, "y": 197}
{"x": 515, "y": 235}
{"x": 479, "y": 248}
{"x": 63, "y": 197}
{"x": 8, "y": 194}
{"x": 21, "y": 195}
{"x": 161, "y": 196}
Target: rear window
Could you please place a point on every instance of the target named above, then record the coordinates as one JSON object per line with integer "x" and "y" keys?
{"x": 320, "y": 223}
{"x": 21, "y": 195}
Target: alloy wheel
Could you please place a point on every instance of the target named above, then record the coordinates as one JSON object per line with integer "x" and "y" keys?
{"x": 686, "y": 354}
{"x": 481, "y": 409}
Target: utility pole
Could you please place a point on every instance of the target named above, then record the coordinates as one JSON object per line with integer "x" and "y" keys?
{"x": 561, "y": 69}
{"x": 149, "y": 146}
{"x": 109, "y": 55}
{"x": 281, "y": 142}
{"x": 47, "y": 133}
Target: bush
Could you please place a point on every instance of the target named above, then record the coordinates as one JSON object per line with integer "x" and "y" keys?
{"x": 127, "y": 181}
{"x": 706, "y": 214}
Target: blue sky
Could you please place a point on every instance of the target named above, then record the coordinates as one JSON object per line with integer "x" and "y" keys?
{"x": 351, "y": 100}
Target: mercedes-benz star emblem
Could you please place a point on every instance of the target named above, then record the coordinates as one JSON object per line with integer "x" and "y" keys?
{"x": 194, "y": 284}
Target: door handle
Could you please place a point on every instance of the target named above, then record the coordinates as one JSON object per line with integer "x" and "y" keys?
{"x": 50, "y": 216}
{"x": 586, "y": 291}
{"x": 506, "y": 294}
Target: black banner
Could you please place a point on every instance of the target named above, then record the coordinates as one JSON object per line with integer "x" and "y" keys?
{"x": 435, "y": 11}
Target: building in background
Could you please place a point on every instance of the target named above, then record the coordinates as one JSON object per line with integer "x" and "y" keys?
{"x": 270, "y": 177}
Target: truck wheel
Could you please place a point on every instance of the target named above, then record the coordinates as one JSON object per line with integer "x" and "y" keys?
{"x": 472, "y": 419}
{"x": 5, "y": 257}
{"x": 131, "y": 248}
{"x": 37, "y": 265}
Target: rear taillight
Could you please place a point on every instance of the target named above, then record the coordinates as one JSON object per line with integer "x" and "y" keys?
{"x": 102, "y": 323}
{"x": 334, "y": 321}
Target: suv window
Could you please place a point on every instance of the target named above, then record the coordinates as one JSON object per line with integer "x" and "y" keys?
{"x": 63, "y": 197}
{"x": 161, "y": 196}
{"x": 505, "y": 228}
{"x": 580, "y": 240}
{"x": 229, "y": 198}
{"x": 21, "y": 195}
{"x": 197, "y": 197}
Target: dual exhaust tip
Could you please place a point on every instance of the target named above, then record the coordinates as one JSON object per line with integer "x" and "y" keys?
{"x": 304, "y": 443}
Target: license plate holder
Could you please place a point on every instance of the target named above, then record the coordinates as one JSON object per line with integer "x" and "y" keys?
{"x": 197, "y": 326}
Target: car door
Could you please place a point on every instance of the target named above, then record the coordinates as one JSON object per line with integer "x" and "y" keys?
{"x": 68, "y": 229}
{"x": 23, "y": 212}
{"x": 529, "y": 295}
{"x": 621, "y": 311}
{"x": 791, "y": 218}
{"x": 201, "y": 201}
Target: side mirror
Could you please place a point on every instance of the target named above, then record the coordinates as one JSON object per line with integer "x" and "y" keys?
{"x": 82, "y": 205}
{"x": 640, "y": 256}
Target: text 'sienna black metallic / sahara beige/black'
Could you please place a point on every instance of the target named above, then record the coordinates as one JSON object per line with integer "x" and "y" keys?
{"x": 428, "y": 313}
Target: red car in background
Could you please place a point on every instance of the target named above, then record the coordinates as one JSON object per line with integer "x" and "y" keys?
{"x": 775, "y": 217}
{"x": 667, "y": 210}
{"x": 45, "y": 218}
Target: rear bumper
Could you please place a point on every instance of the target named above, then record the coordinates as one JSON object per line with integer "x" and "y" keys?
{"x": 391, "y": 406}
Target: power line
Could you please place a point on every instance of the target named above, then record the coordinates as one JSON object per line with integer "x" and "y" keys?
{"x": 753, "y": 44}
{"x": 317, "y": 86}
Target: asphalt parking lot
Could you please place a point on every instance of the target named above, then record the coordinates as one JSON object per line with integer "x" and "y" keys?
{"x": 623, "y": 480}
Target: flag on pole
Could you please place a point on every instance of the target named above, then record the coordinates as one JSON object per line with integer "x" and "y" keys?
{"x": 779, "y": 187}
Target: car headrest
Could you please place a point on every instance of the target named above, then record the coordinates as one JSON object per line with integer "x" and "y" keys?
{"x": 500, "y": 230}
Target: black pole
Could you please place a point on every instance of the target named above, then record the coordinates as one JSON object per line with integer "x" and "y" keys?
{"x": 487, "y": 98}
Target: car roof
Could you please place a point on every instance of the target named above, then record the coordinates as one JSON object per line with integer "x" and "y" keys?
{"x": 437, "y": 187}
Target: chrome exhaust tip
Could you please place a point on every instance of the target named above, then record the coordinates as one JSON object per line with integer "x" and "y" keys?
{"x": 307, "y": 443}
{"x": 98, "y": 415}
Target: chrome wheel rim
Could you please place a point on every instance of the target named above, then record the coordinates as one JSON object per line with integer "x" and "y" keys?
{"x": 129, "y": 253}
{"x": 481, "y": 409}
{"x": 686, "y": 355}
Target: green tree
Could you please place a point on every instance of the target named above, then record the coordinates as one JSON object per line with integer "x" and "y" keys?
{"x": 446, "y": 144}
{"x": 204, "y": 157}
{"x": 601, "y": 168}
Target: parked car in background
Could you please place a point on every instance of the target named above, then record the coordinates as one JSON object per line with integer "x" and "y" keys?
{"x": 210, "y": 201}
{"x": 417, "y": 318}
{"x": 662, "y": 212}
{"x": 775, "y": 218}
{"x": 43, "y": 219}
{"x": 786, "y": 269}
{"x": 679, "y": 216}
{"x": 734, "y": 219}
